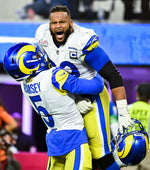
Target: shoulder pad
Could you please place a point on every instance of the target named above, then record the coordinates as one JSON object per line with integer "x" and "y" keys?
{"x": 59, "y": 76}
{"x": 91, "y": 44}
{"x": 86, "y": 38}
{"x": 41, "y": 30}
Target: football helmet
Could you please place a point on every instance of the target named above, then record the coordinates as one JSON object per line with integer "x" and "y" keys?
{"x": 23, "y": 60}
{"x": 132, "y": 146}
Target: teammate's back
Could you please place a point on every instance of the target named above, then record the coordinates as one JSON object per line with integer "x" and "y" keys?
{"x": 50, "y": 102}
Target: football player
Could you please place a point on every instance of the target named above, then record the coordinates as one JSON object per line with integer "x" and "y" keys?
{"x": 66, "y": 136}
{"x": 76, "y": 49}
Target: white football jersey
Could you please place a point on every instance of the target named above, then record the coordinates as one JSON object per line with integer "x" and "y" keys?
{"x": 58, "y": 110}
{"x": 69, "y": 56}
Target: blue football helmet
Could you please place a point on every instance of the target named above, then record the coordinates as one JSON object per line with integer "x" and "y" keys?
{"x": 23, "y": 60}
{"x": 132, "y": 147}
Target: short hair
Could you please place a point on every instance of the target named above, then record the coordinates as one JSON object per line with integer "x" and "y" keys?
{"x": 60, "y": 8}
{"x": 143, "y": 89}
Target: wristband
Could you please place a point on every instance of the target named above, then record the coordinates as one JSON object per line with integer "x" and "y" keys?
{"x": 122, "y": 106}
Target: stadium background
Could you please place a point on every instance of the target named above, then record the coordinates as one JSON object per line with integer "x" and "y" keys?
{"x": 127, "y": 44}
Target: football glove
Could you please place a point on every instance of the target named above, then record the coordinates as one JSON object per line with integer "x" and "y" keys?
{"x": 84, "y": 105}
{"x": 124, "y": 119}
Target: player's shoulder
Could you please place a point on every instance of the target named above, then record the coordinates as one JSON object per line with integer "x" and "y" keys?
{"x": 44, "y": 75}
{"x": 85, "y": 37}
{"x": 83, "y": 33}
{"x": 84, "y": 30}
{"x": 59, "y": 75}
{"x": 42, "y": 29}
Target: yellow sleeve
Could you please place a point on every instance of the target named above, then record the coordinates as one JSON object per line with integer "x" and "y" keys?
{"x": 59, "y": 77}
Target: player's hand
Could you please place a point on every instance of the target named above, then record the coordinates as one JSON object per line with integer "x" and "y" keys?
{"x": 124, "y": 118}
{"x": 124, "y": 121}
{"x": 84, "y": 105}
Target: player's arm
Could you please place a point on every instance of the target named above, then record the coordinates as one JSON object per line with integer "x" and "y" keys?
{"x": 10, "y": 122}
{"x": 99, "y": 60}
{"x": 62, "y": 80}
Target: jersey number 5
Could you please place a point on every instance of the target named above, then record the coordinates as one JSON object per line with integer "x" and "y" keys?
{"x": 40, "y": 109}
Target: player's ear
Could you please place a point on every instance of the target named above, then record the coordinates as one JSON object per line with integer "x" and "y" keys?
{"x": 71, "y": 22}
{"x": 71, "y": 25}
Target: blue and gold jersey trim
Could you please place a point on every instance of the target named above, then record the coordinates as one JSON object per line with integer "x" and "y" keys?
{"x": 58, "y": 79}
{"x": 91, "y": 44}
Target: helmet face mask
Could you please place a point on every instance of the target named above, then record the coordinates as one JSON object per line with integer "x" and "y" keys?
{"x": 132, "y": 147}
{"x": 23, "y": 60}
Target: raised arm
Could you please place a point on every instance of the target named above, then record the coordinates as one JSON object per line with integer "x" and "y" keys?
{"x": 65, "y": 81}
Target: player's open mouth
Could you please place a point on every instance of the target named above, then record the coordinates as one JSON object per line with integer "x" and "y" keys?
{"x": 60, "y": 34}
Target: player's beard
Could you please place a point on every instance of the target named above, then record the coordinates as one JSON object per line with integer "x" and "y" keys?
{"x": 67, "y": 33}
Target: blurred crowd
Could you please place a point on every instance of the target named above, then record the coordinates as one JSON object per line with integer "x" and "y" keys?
{"x": 83, "y": 9}
{"x": 12, "y": 139}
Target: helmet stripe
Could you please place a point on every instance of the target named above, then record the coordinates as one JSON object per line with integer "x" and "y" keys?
{"x": 20, "y": 56}
{"x": 147, "y": 143}
{"x": 126, "y": 149}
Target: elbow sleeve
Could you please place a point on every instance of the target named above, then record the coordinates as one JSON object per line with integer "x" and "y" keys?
{"x": 112, "y": 75}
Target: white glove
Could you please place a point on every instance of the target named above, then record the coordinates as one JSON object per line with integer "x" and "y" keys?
{"x": 124, "y": 119}
{"x": 84, "y": 105}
